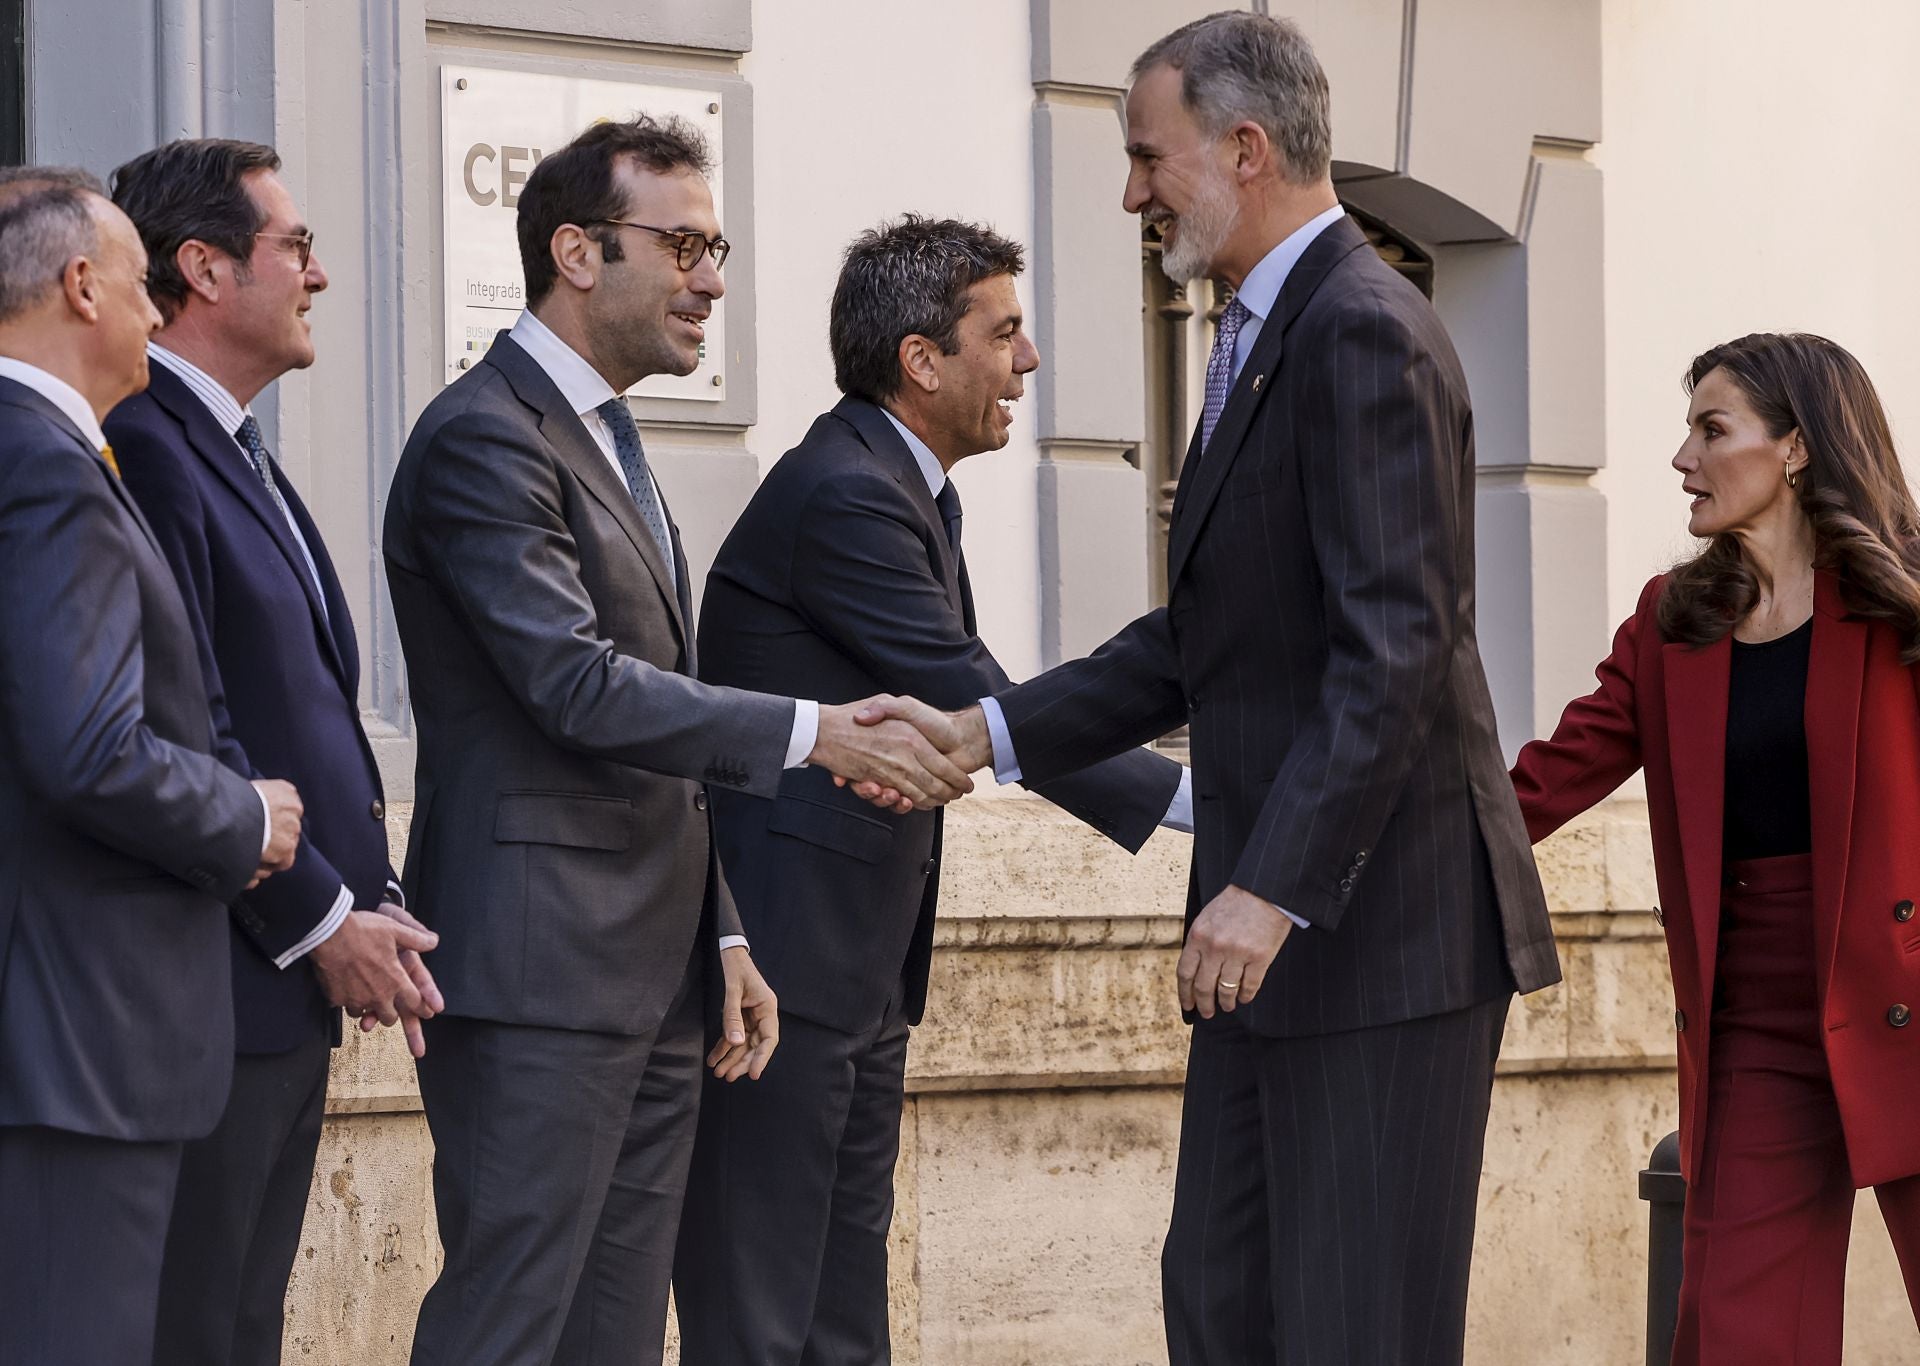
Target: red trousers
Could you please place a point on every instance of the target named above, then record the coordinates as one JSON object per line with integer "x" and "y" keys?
{"x": 1770, "y": 1209}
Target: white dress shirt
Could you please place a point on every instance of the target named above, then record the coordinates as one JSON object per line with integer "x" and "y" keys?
{"x": 229, "y": 413}
{"x": 1180, "y": 810}
{"x": 80, "y": 413}
{"x": 585, "y": 389}
{"x": 1258, "y": 292}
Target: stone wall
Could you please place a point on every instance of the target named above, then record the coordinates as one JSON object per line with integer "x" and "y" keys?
{"x": 1038, "y": 1143}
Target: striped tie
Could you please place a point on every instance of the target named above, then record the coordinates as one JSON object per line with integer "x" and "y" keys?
{"x": 633, "y": 460}
{"x": 1220, "y": 367}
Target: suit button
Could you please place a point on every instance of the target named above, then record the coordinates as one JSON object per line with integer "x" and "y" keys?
{"x": 1903, "y": 911}
{"x": 1193, "y": 702}
{"x": 1680, "y": 1021}
{"x": 1659, "y": 917}
{"x": 1346, "y": 884}
{"x": 699, "y": 801}
{"x": 927, "y": 868}
{"x": 1360, "y": 858}
{"x": 378, "y": 810}
{"x": 1898, "y": 1016}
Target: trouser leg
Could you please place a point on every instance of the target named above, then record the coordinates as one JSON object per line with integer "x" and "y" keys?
{"x": 528, "y": 1125}
{"x": 1214, "y": 1269}
{"x": 1374, "y": 1142}
{"x": 747, "y": 1274}
{"x": 619, "y": 1312}
{"x": 237, "y": 1214}
{"x": 850, "y": 1325}
{"x": 1767, "y": 1221}
{"x": 85, "y": 1224}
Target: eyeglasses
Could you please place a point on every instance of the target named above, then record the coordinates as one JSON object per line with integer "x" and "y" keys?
{"x": 302, "y": 243}
{"x": 688, "y": 247}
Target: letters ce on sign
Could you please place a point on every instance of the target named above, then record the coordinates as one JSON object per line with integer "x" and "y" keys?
{"x": 494, "y": 128}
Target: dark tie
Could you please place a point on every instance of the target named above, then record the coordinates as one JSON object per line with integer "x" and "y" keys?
{"x": 248, "y": 435}
{"x": 948, "y": 501}
{"x": 633, "y": 460}
{"x": 1220, "y": 367}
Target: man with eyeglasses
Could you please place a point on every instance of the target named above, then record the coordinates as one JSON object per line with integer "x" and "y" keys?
{"x": 231, "y": 268}
{"x": 561, "y": 841}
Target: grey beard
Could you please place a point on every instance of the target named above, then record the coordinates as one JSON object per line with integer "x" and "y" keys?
{"x": 1204, "y": 228}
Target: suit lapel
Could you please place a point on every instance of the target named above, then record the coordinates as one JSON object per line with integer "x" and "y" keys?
{"x": 1203, "y": 474}
{"x": 567, "y": 434}
{"x": 1835, "y": 679}
{"x": 1696, "y": 689}
{"x": 12, "y": 391}
{"x": 880, "y": 436}
{"x": 223, "y": 455}
{"x": 339, "y": 616}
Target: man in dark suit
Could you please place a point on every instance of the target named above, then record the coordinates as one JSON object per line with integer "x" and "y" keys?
{"x": 1364, "y": 902}
{"x": 561, "y": 843}
{"x": 233, "y": 273}
{"x": 843, "y": 578}
{"x": 121, "y": 836}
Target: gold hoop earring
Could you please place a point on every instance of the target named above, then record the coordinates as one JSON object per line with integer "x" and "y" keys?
{"x": 1793, "y": 477}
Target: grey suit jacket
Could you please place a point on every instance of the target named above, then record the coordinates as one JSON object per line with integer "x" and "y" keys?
{"x": 560, "y": 841}
{"x": 1319, "y": 640}
{"x": 121, "y": 837}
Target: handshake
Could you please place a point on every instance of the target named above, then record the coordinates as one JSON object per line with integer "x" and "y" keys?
{"x": 901, "y": 754}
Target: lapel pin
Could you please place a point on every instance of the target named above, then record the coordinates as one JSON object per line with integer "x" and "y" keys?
{"x": 1257, "y": 379}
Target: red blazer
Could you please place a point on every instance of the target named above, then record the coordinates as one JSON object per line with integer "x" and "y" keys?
{"x": 1664, "y": 707}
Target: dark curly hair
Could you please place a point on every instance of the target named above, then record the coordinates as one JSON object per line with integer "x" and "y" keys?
{"x": 1865, "y": 524}
{"x": 905, "y": 278}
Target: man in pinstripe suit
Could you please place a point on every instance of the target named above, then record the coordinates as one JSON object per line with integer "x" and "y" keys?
{"x": 1363, "y": 902}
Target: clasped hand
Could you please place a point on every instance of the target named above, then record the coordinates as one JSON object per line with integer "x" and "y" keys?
{"x": 371, "y": 966}
{"x": 901, "y": 754}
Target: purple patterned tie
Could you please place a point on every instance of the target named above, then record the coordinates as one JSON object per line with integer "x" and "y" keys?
{"x": 1220, "y": 366}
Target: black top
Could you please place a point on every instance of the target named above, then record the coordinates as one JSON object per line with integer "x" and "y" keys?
{"x": 1769, "y": 809}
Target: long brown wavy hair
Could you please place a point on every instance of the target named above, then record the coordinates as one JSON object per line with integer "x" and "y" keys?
{"x": 1865, "y": 524}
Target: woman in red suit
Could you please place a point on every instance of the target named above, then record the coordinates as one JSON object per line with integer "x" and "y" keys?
{"x": 1768, "y": 687}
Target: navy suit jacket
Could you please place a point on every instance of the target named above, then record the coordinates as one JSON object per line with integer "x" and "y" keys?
{"x": 283, "y": 678}
{"x": 837, "y": 583}
{"x": 120, "y": 835}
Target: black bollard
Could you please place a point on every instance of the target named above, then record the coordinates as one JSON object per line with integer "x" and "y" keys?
{"x": 1665, "y": 1191}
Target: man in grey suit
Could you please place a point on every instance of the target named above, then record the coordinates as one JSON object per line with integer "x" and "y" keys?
{"x": 1364, "y": 901}
{"x": 561, "y": 844}
{"x": 121, "y": 836}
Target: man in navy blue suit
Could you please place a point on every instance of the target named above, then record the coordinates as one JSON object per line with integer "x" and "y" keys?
{"x": 233, "y": 273}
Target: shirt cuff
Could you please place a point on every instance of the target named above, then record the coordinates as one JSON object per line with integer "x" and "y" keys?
{"x": 1006, "y": 768}
{"x": 733, "y": 941}
{"x": 1303, "y": 924}
{"x": 266, "y": 824}
{"x": 1180, "y": 810}
{"x": 806, "y": 733}
{"x": 321, "y": 932}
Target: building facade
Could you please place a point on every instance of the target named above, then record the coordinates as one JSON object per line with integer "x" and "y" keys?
{"x": 1591, "y": 191}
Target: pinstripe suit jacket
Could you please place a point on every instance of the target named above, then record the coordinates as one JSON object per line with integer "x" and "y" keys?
{"x": 1319, "y": 640}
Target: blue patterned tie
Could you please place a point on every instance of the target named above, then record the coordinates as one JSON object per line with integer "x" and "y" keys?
{"x": 1220, "y": 367}
{"x": 248, "y": 435}
{"x": 633, "y": 460}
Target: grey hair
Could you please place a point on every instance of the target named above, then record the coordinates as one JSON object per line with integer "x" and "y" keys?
{"x": 904, "y": 279}
{"x": 1238, "y": 67}
{"x": 44, "y": 223}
